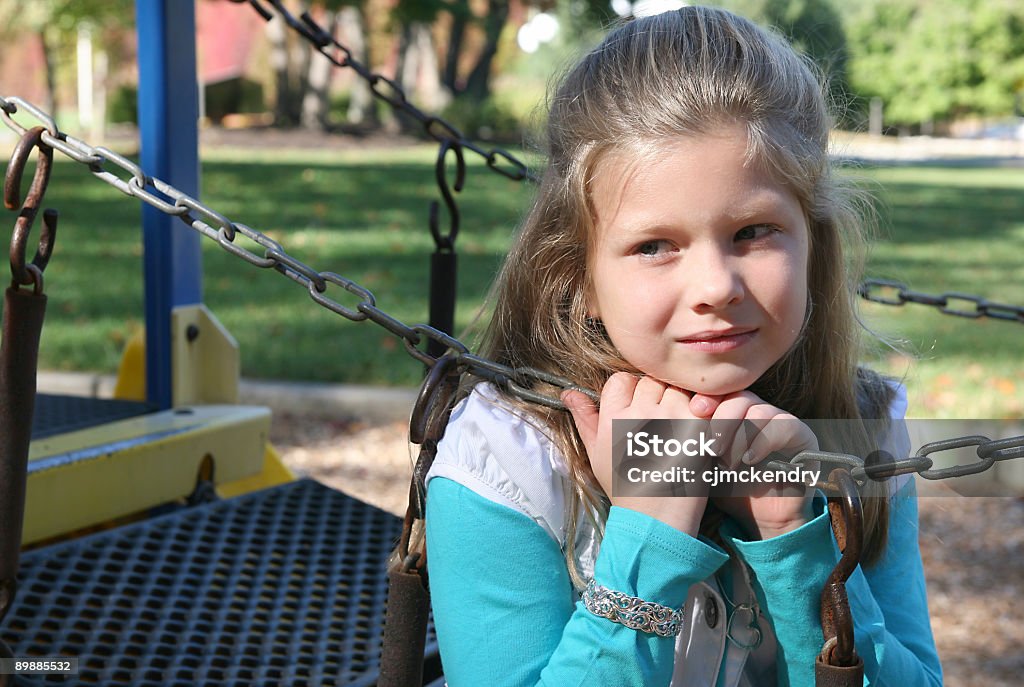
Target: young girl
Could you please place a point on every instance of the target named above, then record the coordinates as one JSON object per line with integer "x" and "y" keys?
{"x": 685, "y": 254}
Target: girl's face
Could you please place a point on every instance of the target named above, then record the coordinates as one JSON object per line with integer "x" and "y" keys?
{"x": 699, "y": 267}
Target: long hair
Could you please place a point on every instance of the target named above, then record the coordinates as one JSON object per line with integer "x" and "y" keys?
{"x": 652, "y": 80}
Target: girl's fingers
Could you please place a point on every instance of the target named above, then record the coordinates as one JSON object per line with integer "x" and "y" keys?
{"x": 649, "y": 392}
{"x": 728, "y": 421}
{"x": 584, "y": 414}
{"x": 676, "y": 402}
{"x": 618, "y": 392}
{"x": 783, "y": 433}
{"x": 735, "y": 406}
{"x": 703, "y": 406}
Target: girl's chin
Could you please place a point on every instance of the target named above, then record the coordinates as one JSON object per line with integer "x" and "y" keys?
{"x": 713, "y": 387}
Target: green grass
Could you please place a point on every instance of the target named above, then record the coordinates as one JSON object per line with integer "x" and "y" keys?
{"x": 953, "y": 230}
{"x": 363, "y": 214}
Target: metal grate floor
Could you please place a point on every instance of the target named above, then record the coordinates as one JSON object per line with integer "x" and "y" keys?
{"x": 280, "y": 587}
{"x": 57, "y": 414}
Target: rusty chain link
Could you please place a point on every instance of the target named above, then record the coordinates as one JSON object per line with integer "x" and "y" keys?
{"x": 131, "y": 180}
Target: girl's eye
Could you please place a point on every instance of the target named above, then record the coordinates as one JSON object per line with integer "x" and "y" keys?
{"x": 652, "y": 249}
{"x": 754, "y": 232}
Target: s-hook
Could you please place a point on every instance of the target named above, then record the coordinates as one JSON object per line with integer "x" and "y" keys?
{"x": 443, "y": 261}
{"x": 408, "y": 602}
{"x": 838, "y": 664}
{"x": 31, "y": 273}
{"x": 447, "y": 241}
{"x": 21, "y": 325}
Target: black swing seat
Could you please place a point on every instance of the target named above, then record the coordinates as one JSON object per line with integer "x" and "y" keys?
{"x": 284, "y": 586}
{"x": 58, "y": 413}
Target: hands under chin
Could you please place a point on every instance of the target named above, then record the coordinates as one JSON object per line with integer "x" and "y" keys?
{"x": 762, "y": 513}
{"x": 625, "y": 396}
{"x": 767, "y": 510}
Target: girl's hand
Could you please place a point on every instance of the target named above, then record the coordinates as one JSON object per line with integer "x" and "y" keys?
{"x": 627, "y": 397}
{"x": 765, "y": 513}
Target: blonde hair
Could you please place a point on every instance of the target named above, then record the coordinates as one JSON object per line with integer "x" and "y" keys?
{"x": 652, "y": 80}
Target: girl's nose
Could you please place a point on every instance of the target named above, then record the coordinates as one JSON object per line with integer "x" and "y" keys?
{"x": 714, "y": 281}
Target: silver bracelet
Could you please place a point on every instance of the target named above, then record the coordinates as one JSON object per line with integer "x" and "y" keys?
{"x": 634, "y": 613}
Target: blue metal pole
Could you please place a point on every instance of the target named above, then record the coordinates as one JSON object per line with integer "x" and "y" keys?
{"x": 168, "y": 124}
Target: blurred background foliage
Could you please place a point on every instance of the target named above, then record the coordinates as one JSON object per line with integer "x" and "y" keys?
{"x": 359, "y": 207}
{"x": 929, "y": 65}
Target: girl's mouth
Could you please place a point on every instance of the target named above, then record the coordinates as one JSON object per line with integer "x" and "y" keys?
{"x": 718, "y": 341}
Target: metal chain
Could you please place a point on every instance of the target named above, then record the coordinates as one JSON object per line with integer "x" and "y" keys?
{"x": 879, "y": 467}
{"x": 131, "y": 180}
{"x": 320, "y": 39}
{"x": 499, "y": 160}
{"x": 973, "y": 307}
{"x": 390, "y": 92}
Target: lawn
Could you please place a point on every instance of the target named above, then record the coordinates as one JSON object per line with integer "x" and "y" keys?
{"x": 953, "y": 229}
{"x": 364, "y": 215}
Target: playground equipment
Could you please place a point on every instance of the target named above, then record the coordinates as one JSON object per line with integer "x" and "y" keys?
{"x": 221, "y": 569}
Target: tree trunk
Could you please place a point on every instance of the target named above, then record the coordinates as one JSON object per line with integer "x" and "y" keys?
{"x": 418, "y": 71}
{"x": 300, "y": 59}
{"x": 51, "y": 72}
{"x": 362, "y": 105}
{"x": 316, "y": 100}
{"x": 277, "y": 35}
{"x": 460, "y": 18}
{"x": 101, "y": 70}
{"x": 478, "y": 85}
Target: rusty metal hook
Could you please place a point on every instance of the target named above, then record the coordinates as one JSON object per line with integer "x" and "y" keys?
{"x": 426, "y": 427}
{"x": 847, "y": 516}
{"x": 446, "y": 242}
{"x": 441, "y": 381}
{"x": 22, "y": 275}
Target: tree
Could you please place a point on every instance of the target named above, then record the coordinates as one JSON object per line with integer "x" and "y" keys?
{"x": 478, "y": 85}
{"x": 362, "y": 107}
{"x": 933, "y": 60}
{"x": 55, "y": 23}
{"x": 447, "y": 49}
{"x": 418, "y": 72}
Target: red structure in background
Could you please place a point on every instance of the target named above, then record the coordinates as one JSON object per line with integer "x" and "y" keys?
{"x": 23, "y": 68}
{"x": 225, "y": 38}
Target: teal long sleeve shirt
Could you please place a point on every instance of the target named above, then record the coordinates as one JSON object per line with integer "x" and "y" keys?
{"x": 506, "y": 613}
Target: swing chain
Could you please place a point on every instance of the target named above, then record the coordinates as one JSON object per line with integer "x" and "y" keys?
{"x": 504, "y": 163}
{"x": 498, "y": 160}
{"x": 847, "y": 517}
{"x": 880, "y": 465}
{"x": 972, "y": 307}
{"x": 520, "y": 382}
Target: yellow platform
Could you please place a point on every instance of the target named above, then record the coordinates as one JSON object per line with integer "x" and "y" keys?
{"x": 92, "y": 476}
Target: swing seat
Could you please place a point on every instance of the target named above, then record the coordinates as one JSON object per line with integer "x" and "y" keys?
{"x": 282, "y": 586}
{"x": 98, "y": 461}
{"x": 58, "y": 413}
